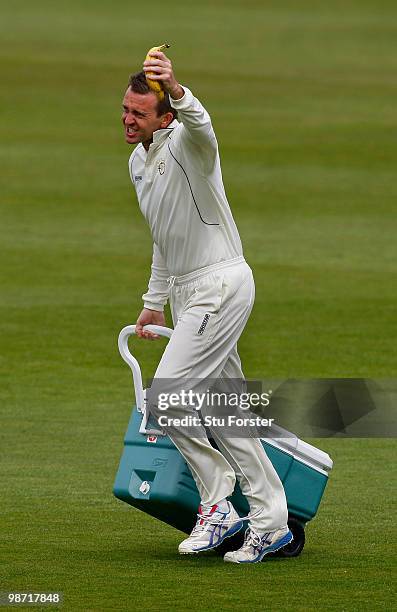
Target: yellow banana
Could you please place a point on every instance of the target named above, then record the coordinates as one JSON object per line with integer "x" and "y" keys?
{"x": 155, "y": 85}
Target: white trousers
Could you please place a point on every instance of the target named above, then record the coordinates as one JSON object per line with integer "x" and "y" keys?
{"x": 210, "y": 308}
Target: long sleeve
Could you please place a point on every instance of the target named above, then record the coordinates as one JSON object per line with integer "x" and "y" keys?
{"x": 158, "y": 289}
{"x": 198, "y": 131}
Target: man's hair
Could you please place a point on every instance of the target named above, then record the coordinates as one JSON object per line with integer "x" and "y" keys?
{"x": 139, "y": 85}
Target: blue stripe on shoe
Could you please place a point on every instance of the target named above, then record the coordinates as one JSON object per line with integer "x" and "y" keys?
{"x": 234, "y": 529}
{"x": 272, "y": 548}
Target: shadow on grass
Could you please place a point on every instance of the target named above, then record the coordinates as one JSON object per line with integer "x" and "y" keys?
{"x": 152, "y": 554}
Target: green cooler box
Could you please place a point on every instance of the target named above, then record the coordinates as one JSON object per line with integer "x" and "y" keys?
{"x": 154, "y": 477}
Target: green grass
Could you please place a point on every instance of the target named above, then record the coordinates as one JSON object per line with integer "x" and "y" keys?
{"x": 302, "y": 97}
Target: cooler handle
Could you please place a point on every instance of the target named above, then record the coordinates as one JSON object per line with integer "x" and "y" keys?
{"x": 130, "y": 360}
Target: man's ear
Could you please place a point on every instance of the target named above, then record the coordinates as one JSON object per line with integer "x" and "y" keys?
{"x": 166, "y": 120}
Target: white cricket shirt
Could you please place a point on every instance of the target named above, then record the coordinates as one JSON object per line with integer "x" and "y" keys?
{"x": 180, "y": 191}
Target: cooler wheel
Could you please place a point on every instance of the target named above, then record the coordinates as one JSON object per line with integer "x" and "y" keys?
{"x": 296, "y": 546}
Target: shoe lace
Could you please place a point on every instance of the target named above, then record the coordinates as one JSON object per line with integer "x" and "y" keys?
{"x": 202, "y": 524}
{"x": 210, "y": 521}
{"x": 253, "y": 539}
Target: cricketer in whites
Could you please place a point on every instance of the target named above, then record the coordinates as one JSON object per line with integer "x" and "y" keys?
{"x": 198, "y": 265}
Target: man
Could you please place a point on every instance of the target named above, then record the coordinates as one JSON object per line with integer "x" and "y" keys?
{"x": 198, "y": 265}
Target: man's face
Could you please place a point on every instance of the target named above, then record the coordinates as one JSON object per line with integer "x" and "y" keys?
{"x": 140, "y": 118}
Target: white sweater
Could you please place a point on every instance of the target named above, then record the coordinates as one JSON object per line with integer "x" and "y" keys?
{"x": 180, "y": 191}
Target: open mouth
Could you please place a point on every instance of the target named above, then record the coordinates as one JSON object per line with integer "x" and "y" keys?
{"x": 130, "y": 131}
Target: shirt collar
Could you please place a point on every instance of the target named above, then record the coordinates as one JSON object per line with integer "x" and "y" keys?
{"x": 160, "y": 135}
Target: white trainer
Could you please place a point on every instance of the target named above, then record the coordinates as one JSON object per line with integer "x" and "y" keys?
{"x": 256, "y": 545}
{"x": 212, "y": 527}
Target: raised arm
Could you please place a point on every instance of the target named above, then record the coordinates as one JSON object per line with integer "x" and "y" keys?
{"x": 196, "y": 120}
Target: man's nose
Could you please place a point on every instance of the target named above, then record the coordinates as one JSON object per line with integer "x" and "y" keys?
{"x": 129, "y": 119}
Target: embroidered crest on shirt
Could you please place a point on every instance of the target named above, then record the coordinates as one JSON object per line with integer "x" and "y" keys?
{"x": 161, "y": 167}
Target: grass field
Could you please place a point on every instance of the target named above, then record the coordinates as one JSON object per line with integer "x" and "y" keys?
{"x": 302, "y": 97}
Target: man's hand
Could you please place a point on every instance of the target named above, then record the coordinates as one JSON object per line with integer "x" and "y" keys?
{"x": 149, "y": 317}
{"x": 161, "y": 68}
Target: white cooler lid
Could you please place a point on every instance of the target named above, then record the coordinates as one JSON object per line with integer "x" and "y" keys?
{"x": 302, "y": 451}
